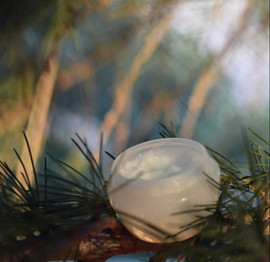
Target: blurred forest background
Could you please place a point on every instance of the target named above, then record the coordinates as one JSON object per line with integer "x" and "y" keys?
{"x": 121, "y": 67}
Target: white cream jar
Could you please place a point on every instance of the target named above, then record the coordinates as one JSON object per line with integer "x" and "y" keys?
{"x": 152, "y": 181}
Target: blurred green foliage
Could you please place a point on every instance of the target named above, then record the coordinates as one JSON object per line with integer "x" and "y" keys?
{"x": 97, "y": 41}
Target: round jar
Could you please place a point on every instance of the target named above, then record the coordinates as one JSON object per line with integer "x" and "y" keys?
{"x": 153, "y": 184}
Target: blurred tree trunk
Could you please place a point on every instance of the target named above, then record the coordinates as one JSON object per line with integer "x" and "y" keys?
{"x": 37, "y": 122}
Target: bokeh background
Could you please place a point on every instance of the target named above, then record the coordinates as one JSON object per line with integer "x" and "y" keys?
{"x": 120, "y": 67}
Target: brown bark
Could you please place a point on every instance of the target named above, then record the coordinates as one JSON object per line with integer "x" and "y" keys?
{"x": 93, "y": 241}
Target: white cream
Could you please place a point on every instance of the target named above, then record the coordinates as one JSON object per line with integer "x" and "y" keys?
{"x": 152, "y": 180}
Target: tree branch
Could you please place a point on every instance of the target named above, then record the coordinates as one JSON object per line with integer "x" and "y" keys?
{"x": 210, "y": 75}
{"x": 123, "y": 89}
{"x": 36, "y": 127}
{"x": 92, "y": 241}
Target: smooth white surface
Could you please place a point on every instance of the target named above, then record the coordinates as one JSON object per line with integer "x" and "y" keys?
{"x": 151, "y": 181}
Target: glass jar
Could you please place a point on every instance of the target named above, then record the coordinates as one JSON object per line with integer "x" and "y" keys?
{"x": 154, "y": 185}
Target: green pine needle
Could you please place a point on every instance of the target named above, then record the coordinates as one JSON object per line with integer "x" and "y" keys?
{"x": 234, "y": 230}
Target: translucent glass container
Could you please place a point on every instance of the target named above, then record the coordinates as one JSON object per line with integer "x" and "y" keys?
{"x": 152, "y": 185}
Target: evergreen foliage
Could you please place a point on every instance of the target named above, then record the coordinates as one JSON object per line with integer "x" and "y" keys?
{"x": 54, "y": 205}
{"x": 62, "y": 198}
{"x": 239, "y": 228}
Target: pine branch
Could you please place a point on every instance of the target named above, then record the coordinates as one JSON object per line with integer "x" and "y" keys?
{"x": 101, "y": 240}
{"x": 73, "y": 220}
{"x": 90, "y": 241}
